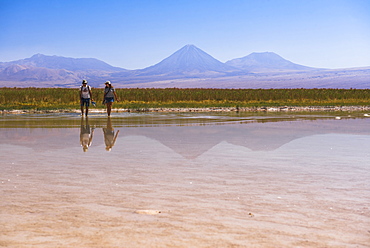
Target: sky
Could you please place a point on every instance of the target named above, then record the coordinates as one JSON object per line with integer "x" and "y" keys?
{"x": 140, "y": 33}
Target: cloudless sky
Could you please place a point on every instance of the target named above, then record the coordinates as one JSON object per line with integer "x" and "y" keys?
{"x": 140, "y": 33}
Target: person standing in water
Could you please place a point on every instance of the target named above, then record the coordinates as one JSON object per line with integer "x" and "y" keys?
{"x": 85, "y": 96}
{"x": 109, "y": 96}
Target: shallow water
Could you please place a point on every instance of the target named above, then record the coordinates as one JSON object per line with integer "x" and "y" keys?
{"x": 185, "y": 180}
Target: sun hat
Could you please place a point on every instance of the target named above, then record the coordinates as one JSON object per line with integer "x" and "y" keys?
{"x": 84, "y": 81}
{"x": 108, "y": 82}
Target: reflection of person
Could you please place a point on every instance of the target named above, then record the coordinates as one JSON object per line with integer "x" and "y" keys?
{"x": 109, "y": 135}
{"x": 85, "y": 96}
{"x": 109, "y": 96}
{"x": 86, "y": 135}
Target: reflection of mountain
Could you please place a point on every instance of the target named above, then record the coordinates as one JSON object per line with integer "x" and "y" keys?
{"x": 192, "y": 141}
{"x": 40, "y": 139}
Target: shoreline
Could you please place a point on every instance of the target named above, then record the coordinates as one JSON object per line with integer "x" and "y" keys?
{"x": 209, "y": 109}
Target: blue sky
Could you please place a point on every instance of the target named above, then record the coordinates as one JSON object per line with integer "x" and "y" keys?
{"x": 137, "y": 34}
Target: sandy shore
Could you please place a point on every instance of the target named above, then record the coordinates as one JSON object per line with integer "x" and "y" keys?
{"x": 210, "y": 109}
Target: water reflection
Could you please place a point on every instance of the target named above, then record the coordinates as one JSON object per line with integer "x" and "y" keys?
{"x": 110, "y": 136}
{"x": 189, "y": 135}
{"x": 86, "y": 134}
{"x": 292, "y": 173}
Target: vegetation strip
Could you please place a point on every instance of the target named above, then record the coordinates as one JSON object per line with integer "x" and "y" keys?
{"x": 185, "y": 100}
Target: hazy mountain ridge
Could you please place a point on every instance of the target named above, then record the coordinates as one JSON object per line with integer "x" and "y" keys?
{"x": 189, "y": 67}
{"x": 62, "y": 71}
{"x": 69, "y": 64}
{"x": 266, "y": 61}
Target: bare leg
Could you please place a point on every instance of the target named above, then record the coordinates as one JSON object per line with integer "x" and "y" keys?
{"x": 87, "y": 110}
{"x": 82, "y": 108}
{"x": 109, "y": 108}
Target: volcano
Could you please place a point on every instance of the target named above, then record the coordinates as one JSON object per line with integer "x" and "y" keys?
{"x": 189, "y": 60}
{"x": 266, "y": 61}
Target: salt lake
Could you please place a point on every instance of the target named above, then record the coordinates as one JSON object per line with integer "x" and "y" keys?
{"x": 185, "y": 180}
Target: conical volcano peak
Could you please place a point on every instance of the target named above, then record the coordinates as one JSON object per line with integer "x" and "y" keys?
{"x": 191, "y": 50}
{"x": 188, "y": 59}
{"x": 190, "y": 46}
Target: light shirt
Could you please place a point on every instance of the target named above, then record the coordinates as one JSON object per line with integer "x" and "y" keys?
{"x": 85, "y": 91}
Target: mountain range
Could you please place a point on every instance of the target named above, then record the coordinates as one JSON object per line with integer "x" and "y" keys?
{"x": 189, "y": 67}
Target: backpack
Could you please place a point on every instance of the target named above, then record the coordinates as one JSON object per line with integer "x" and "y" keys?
{"x": 88, "y": 87}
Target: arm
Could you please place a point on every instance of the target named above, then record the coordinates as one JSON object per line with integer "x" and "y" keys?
{"x": 90, "y": 92}
{"x": 105, "y": 93}
{"x": 115, "y": 137}
{"x": 91, "y": 137}
{"x": 115, "y": 95}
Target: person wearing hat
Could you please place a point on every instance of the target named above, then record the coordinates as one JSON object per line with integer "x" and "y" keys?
{"x": 109, "y": 96}
{"x": 85, "y": 96}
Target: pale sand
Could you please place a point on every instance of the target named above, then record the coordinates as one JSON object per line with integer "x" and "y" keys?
{"x": 229, "y": 196}
{"x": 210, "y": 109}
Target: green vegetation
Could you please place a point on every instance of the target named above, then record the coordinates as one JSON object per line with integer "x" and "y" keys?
{"x": 63, "y": 98}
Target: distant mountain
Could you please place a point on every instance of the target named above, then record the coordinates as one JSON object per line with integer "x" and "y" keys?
{"x": 36, "y": 73}
{"x": 47, "y": 71}
{"x": 188, "y": 61}
{"x": 189, "y": 67}
{"x": 266, "y": 61}
{"x": 69, "y": 64}
{"x": 29, "y": 76}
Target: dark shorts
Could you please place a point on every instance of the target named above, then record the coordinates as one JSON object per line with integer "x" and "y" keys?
{"x": 109, "y": 99}
{"x": 85, "y": 101}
